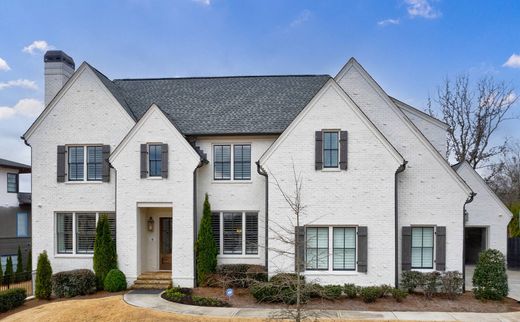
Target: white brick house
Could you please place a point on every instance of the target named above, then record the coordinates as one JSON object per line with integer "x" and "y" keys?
{"x": 380, "y": 195}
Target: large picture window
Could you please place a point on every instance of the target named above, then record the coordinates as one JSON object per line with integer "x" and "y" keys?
{"x": 331, "y": 248}
{"x": 155, "y": 163}
{"x": 330, "y": 149}
{"x": 422, "y": 247}
{"x": 76, "y": 231}
{"x": 239, "y": 169}
{"x": 235, "y": 233}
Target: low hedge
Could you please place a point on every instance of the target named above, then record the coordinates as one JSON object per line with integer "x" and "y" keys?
{"x": 370, "y": 294}
{"x": 184, "y": 296}
{"x": 12, "y": 298}
{"x": 282, "y": 289}
{"x": 115, "y": 281}
{"x": 239, "y": 275}
{"x": 74, "y": 282}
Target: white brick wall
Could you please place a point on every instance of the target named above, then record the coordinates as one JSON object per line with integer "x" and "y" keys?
{"x": 85, "y": 114}
{"x": 363, "y": 195}
{"x": 486, "y": 210}
{"x": 428, "y": 194}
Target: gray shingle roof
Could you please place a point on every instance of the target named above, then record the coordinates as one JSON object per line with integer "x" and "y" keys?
{"x": 23, "y": 168}
{"x": 220, "y": 105}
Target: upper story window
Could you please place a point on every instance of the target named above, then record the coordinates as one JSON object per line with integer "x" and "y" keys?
{"x": 80, "y": 167}
{"x": 12, "y": 182}
{"x": 241, "y": 165}
{"x": 422, "y": 247}
{"x": 154, "y": 160}
{"x": 330, "y": 149}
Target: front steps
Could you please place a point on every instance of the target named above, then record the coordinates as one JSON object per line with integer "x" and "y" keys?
{"x": 153, "y": 280}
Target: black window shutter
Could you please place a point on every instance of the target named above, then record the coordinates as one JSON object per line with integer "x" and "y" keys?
{"x": 144, "y": 160}
{"x": 440, "y": 253}
{"x": 164, "y": 160}
{"x": 343, "y": 150}
{"x": 406, "y": 256}
{"x": 318, "y": 163}
{"x": 299, "y": 248}
{"x": 60, "y": 171}
{"x": 106, "y": 165}
{"x": 362, "y": 249}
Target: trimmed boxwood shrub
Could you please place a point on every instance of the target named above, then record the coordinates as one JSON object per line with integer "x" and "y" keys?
{"x": 350, "y": 290}
{"x": 490, "y": 278}
{"x": 115, "y": 281}
{"x": 12, "y": 298}
{"x": 452, "y": 283}
{"x": 184, "y": 296}
{"x": 43, "y": 277}
{"x": 398, "y": 294}
{"x": 431, "y": 282}
{"x": 410, "y": 280}
{"x": 74, "y": 282}
{"x": 332, "y": 292}
{"x": 370, "y": 294}
{"x": 282, "y": 289}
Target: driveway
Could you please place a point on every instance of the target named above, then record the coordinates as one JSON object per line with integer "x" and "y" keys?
{"x": 513, "y": 278}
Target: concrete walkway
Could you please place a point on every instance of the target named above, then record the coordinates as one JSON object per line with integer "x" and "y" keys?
{"x": 513, "y": 279}
{"x": 152, "y": 300}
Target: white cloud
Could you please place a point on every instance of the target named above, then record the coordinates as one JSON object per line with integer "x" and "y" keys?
{"x": 513, "y": 61}
{"x": 37, "y": 46}
{"x": 204, "y": 2}
{"x": 303, "y": 17}
{"x": 23, "y": 83}
{"x": 421, "y": 8}
{"x": 28, "y": 107}
{"x": 387, "y": 22}
{"x": 3, "y": 65}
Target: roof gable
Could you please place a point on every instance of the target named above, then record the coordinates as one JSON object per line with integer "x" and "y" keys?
{"x": 428, "y": 118}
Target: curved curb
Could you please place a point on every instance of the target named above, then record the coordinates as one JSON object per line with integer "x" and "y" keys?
{"x": 154, "y": 301}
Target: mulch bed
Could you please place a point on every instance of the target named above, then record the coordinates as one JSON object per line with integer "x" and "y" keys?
{"x": 35, "y": 302}
{"x": 414, "y": 302}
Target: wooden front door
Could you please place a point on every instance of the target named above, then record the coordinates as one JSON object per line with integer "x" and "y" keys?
{"x": 165, "y": 252}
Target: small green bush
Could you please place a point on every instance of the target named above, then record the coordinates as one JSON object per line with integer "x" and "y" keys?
{"x": 490, "y": 277}
{"x": 350, "y": 290}
{"x": 386, "y": 289}
{"x": 315, "y": 290}
{"x": 43, "y": 277}
{"x": 115, "y": 281}
{"x": 12, "y": 298}
{"x": 410, "y": 280}
{"x": 332, "y": 292}
{"x": 430, "y": 285}
{"x": 398, "y": 294}
{"x": 239, "y": 275}
{"x": 286, "y": 277}
{"x": 208, "y": 301}
{"x": 74, "y": 282}
{"x": 370, "y": 294}
{"x": 451, "y": 284}
{"x": 184, "y": 296}
{"x": 279, "y": 292}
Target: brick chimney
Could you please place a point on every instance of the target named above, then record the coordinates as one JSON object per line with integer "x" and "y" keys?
{"x": 59, "y": 67}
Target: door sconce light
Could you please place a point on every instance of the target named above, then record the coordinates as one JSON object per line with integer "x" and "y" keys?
{"x": 150, "y": 224}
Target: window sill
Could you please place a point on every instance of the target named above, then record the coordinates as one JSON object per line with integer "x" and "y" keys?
{"x": 238, "y": 256}
{"x": 154, "y": 178}
{"x": 84, "y": 182}
{"x": 331, "y": 170}
{"x": 328, "y": 272}
{"x": 73, "y": 255}
{"x": 232, "y": 181}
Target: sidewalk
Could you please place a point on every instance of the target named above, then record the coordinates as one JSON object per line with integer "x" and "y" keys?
{"x": 152, "y": 300}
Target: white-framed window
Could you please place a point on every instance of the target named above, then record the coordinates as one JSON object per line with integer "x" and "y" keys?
{"x": 76, "y": 231}
{"x": 81, "y": 168}
{"x": 235, "y": 232}
{"x": 330, "y": 248}
{"x": 330, "y": 149}
{"x": 232, "y": 161}
{"x": 22, "y": 224}
{"x": 422, "y": 247}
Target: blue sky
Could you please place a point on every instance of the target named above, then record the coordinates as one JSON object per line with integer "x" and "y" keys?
{"x": 409, "y": 46}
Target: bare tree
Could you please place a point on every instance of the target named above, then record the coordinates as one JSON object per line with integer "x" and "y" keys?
{"x": 506, "y": 182}
{"x": 473, "y": 117}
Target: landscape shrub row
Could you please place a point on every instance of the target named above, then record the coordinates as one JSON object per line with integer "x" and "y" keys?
{"x": 12, "y": 298}
{"x": 236, "y": 275}
{"x": 185, "y": 296}
{"x": 431, "y": 283}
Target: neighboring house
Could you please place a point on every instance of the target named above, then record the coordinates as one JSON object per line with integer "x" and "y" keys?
{"x": 487, "y": 216}
{"x": 15, "y": 213}
{"x": 380, "y": 196}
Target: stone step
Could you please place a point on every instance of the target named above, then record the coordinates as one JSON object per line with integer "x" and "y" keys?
{"x": 158, "y": 282}
{"x": 148, "y": 287}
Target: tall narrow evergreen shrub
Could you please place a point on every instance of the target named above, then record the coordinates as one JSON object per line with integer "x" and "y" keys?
{"x": 105, "y": 256}
{"x": 43, "y": 282}
{"x": 28, "y": 268}
{"x": 19, "y": 266}
{"x": 9, "y": 273}
{"x": 1, "y": 274}
{"x": 205, "y": 246}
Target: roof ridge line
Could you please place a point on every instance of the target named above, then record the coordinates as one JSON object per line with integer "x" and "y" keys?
{"x": 214, "y": 77}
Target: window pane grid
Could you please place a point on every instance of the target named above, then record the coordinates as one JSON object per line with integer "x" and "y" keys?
{"x": 317, "y": 250}
{"x": 242, "y": 162}
{"x": 222, "y": 162}
{"x": 85, "y": 233}
{"x": 94, "y": 163}
{"x": 251, "y": 233}
{"x": 155, "y": 151}
{"x": 344, "y": 248}
{"x": 422, "y": 247}
{"x": 12, "y": 182}
{"x": 64, "y": 233}
{"x": 76, "y": 163}
{"x": 330, "y": 149}
{"x": 232, "y": 234}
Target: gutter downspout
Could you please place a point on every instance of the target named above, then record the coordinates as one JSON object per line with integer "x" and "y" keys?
{"x": 195, "y": 230}
{"x": 470, "y": 199}
{"x": 33, "y": 271}
{"x": 401, "y": 168}
{"x": 262, "y": 172}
